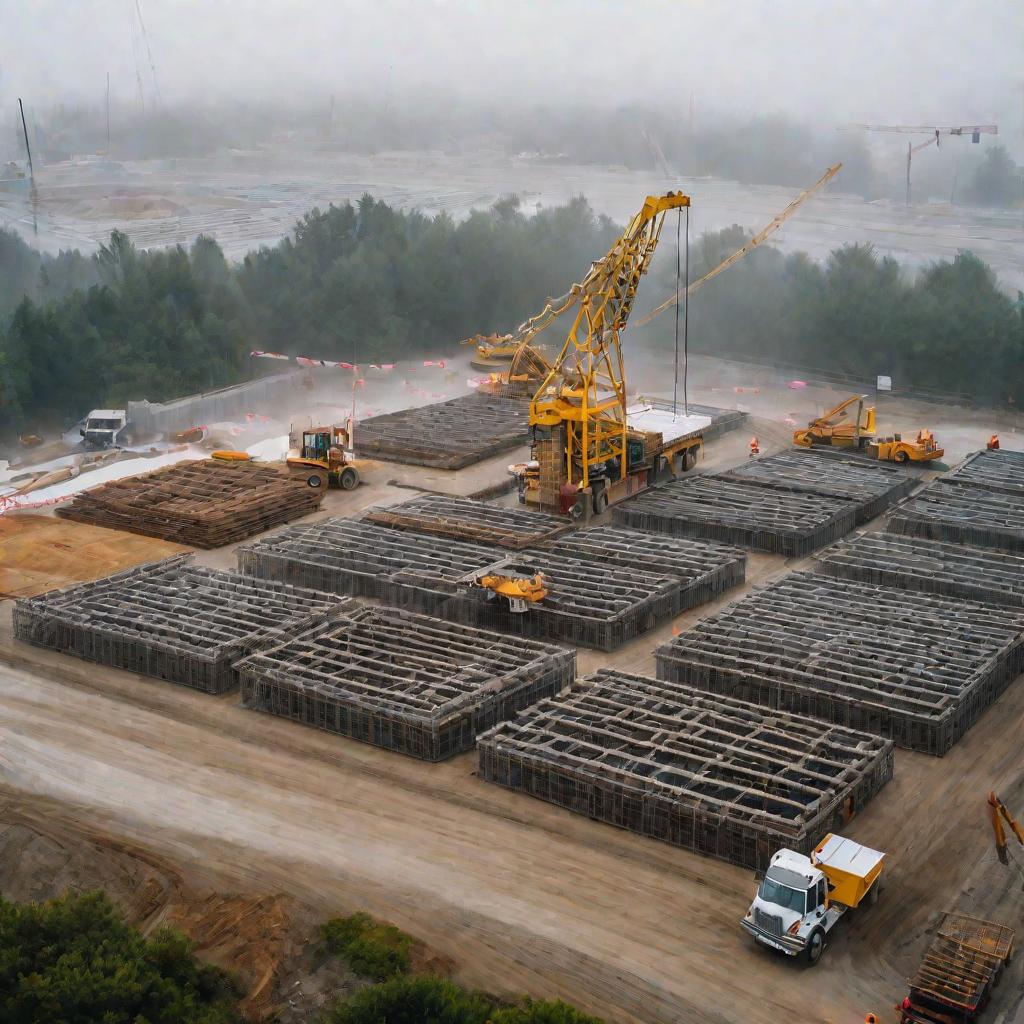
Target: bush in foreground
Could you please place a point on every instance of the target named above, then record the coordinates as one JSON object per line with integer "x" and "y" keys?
{"x": 74, "y": 959}
{"x": 412, "y": 1001}
{"x": 372, "y": 949}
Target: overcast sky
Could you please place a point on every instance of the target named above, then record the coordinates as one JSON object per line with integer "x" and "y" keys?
{"x": 888, "y": 61}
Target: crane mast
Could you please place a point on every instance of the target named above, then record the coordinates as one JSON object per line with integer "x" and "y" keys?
{"x": 584, "y": 391}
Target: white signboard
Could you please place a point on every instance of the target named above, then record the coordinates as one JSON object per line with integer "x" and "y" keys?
{"x": 884, "y": 383}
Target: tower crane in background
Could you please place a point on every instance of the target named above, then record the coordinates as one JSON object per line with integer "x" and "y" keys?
{"x": 974, "y": 130}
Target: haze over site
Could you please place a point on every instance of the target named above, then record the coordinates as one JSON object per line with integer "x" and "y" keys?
{"x": 912, "y": 62}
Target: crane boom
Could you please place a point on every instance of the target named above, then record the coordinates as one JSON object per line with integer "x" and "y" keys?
{"x": 776, "y": 222}
{"x": 584, "y": 390}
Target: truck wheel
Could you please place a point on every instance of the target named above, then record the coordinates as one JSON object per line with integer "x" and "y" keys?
{"x": 600, "y": 500}
{"x": 901, "y": 456}
{"x": 315, "y": 480}
{"x": 349, "y": 479}
{"x": 577, "y": 512}
{"x": 815, "y": 946}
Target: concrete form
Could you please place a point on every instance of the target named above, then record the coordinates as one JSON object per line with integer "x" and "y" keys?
{"x": 874, "y": 486}
{"x": 705, "y": 570}
{"x": 962, "y": 513}
{"x": 589, "y": 603}
{"x": 714, "y": 775}
{"x": 173, "y": 620}
{"x": 929, "y": 566}
{"x": 675, "y": 424}
{"x": 748, "y": 514}
{"x": 446, "y": 435}
{"x": 204, "y": 504}
{"x": 406, "y": 682}
{"x": 917, "y": 668}
{"x": 466, "y": 519}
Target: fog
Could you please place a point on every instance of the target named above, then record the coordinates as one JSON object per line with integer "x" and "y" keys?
{"x": 917, "y": 61}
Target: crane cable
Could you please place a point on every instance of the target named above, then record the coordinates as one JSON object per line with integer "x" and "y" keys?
{"x": 686, "y": 316}
{"x": 775, "y": 223}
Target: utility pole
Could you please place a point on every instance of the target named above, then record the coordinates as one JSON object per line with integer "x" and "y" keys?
{"x": 31, "y": 168}
{"x": 974, "y": 130}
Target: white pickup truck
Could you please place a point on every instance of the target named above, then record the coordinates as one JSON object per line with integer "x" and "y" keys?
{"x": 103, "y": 427}
{"x": 801, "y": 899}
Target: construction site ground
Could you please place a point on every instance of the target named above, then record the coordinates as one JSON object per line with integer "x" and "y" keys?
{"x": 247, "y": 830}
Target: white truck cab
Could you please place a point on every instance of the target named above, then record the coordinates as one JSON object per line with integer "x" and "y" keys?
{"x": 801, "y": 899}
{"x": 103, "y": 426}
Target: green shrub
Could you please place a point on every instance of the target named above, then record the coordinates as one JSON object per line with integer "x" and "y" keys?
{"x": 372, "y": 949}
{"x": 412, "y": 1001}
{"x": 542, "y": 1012}
{"x": 74, "y": 959}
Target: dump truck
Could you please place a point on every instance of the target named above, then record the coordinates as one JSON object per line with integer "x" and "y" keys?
{"x": 962, "y": 965}
{"x": 801, "y": 899}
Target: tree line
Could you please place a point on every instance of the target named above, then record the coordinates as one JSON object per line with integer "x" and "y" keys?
{"x": 368, "y": 283}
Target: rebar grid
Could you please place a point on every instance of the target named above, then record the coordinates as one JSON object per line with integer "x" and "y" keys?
{"x": 873, "y": 486}
{"x": 446, "y": 435}
{"x": 917, "y": 668}
{"x": 739, "y": 513}
{"x": 588, "y": 604}
{"x": 716, "y": 775}
{"x": 705, "y": 569}
{"x": 204, "y": 504}
{"x": 929, "y": 566}
{"x": 403, "y": 681}
{"x": 962, "y": 513}
{"x": 466, "y": 519}
{"x": 172, "y": 619}
{"x": 999, "y": 470}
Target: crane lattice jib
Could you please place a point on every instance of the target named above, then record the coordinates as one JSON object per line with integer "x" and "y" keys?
{"x": 585, "y": 388}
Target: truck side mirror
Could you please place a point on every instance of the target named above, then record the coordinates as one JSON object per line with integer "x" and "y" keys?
{"x": 81, "y": 432}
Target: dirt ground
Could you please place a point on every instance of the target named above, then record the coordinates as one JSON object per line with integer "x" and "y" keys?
{"x": 244, "y": 827}
{"x": 41, "y": 552}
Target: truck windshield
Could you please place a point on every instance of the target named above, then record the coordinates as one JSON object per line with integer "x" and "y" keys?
{"x": 782, "y": 896}
{"x": 103, "y": 424}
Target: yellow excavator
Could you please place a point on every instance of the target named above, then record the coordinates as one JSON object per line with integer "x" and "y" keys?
{"x": 519, "y": 591}
{"x": 838, "y": 428}
{"x": 998, "y": 813}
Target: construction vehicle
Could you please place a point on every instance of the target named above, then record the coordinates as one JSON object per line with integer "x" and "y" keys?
{"x": 801, "y": 899}
{"x": 321, "y": 457}
{"x": 591, "y": 449}
{"x": 997, "y": 815}
{"x": 838, "y": 428}
{"x": 103, "y": 427}
{"x": 519, "y": 591}
{"x": 958, "y": 972}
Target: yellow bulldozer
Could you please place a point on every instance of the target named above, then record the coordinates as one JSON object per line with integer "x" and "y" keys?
{"x": 837, "y": 428}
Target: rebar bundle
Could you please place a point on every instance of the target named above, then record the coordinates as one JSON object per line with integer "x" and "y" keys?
{"x": 746, "y": 514}
{"x": 173, "y": 620}
{"x": 204, "y": 504}
{"x": 962, "y": 513}
{"x": 913, "y": 667}
{"x": 929, "y": 566}
{"x": 446, "y": 435}
{"x": 716, "y": 775}
{"x": 465, "y": 519}
{"x": 402, "y": 681}
{"x": 874, "y": 486}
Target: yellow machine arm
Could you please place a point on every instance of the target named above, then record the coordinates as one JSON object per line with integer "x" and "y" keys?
{"x": 585, "y": 389}
{"x": 997, "y": 811}
{"x": 519, "y": 591}
{"x": 769, "y": 229}
{"x": 836, "y": 415}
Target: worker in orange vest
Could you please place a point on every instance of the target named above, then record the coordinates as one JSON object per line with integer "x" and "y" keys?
{"x": 754, "y": 447}
{"x": 993, "y": 443}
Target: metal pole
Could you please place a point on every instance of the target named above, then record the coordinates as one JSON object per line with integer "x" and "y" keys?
{"x": 28, "y": 148}
{"x": 686, "y": 321}
{"x": 675, "y": 372}
{"x": 108, "y": 113}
